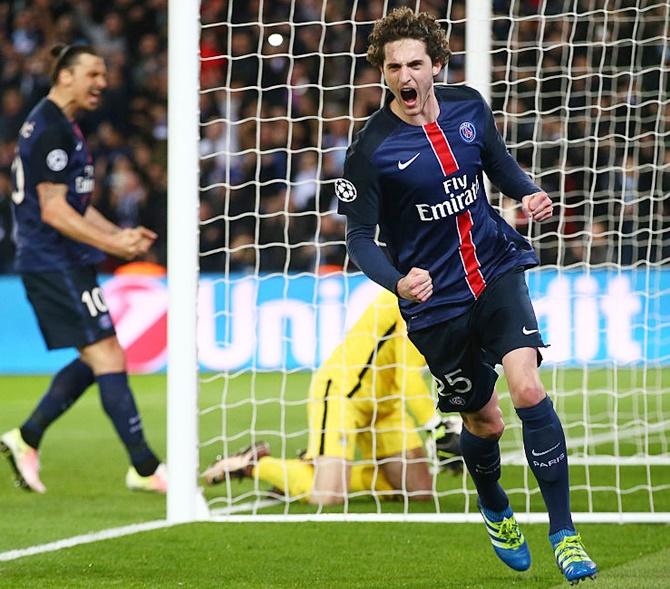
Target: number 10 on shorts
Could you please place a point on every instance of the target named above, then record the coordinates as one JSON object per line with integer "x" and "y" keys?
{"x": 94, "y": 301}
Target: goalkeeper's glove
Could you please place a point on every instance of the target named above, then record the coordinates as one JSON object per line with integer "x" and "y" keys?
{"x": 446, "y": 445}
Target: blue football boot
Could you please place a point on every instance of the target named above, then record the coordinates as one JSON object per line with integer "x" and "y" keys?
{"x": 506, "y": 537}
{"x": 571, "y": 557}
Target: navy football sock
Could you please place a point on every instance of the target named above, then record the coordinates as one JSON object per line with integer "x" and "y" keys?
{"x": 66, "y": 387}
{"x": 482, "y": 457}
{"x": 119, "y": 404}
{"x": 544, "y": 442}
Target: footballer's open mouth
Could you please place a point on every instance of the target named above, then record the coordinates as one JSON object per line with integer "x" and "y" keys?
{"x": 408, "y": 96}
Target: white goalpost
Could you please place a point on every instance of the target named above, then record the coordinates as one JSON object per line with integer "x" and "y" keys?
{"x": 264, "y": 98}
{"x": 184, "y": 499}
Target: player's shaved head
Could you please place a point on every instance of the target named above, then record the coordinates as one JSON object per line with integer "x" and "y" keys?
{"x": 67, "y": 56}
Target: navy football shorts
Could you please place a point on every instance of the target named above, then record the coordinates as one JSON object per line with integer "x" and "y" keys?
{"x": 70, "y": 307}
{"x": 462, "y": 352}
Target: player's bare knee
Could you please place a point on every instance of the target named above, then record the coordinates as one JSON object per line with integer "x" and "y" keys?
{"x": 491, "y": 428}
{"x": 528, "y": 395}
{"x": 104, "y": 356}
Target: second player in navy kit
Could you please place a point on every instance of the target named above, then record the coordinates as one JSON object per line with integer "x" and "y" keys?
{"x": 416, "y": 171}
{"x": 60, "y": 238}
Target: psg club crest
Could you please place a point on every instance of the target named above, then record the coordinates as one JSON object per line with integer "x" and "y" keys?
{"x": 345, "y": 190}
{"x": 467, "y": 131}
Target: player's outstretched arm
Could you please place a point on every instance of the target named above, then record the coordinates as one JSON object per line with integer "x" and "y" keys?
{"x": 537, "y": 206}
{"x": 57, "y": 212}
{"x": 416, "y": 285}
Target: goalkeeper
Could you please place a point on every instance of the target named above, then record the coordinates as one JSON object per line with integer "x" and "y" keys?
{"x": 359, "y": 399}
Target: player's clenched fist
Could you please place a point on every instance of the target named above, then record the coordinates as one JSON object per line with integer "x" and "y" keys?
{"x": 147, "y": 238}
{"x": 130, "y": 243}
{"x": 537, "y": 206}
{"x": 416, "y": 286}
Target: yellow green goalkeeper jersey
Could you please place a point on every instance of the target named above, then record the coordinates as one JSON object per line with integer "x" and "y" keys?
{"x": 376, "y": 360}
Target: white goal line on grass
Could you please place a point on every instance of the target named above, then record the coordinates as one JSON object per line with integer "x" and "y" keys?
{"x": 231, "y": 514}
{"x": 440, "y": 518}
{"x": 111, "y": 533}
{"x": 84, "y": 539}
{"x": 434, "y": 518}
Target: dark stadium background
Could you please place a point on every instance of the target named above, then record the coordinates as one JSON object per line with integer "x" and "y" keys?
{"x": 128, "y": 135}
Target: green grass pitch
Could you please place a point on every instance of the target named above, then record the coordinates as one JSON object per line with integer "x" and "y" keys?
{"x": 83, "y": 466}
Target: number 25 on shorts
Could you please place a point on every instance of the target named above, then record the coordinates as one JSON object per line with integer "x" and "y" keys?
{"x": 457, "y": 384}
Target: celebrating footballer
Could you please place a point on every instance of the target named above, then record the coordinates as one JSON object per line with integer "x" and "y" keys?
{"x": 416, "y": 171}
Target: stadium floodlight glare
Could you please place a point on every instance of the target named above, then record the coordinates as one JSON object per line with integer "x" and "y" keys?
{"x": 579, "y": 93}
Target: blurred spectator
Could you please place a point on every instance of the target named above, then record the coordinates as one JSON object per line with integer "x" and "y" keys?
{"x": 6, "y": 243}
{"x": 305, "y": 185}
{"x": 592, "y": 244}
{"x": 242, "y": 254}
{"x": 108, "y": 36}
{"x": 212, "y": 239}
{"x": 127, "y": 195}
{"x": 13, "y": 113}
{"x": 26, "y": 36}
{"x": 332, "y": 250}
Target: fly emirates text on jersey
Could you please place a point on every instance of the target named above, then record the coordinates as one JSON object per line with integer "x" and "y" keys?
{"x": 459, "y": 196}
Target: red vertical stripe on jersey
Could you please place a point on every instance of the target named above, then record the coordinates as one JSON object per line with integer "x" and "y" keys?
{"x": 441, "y": 147}
{"x": 468, "y": 251}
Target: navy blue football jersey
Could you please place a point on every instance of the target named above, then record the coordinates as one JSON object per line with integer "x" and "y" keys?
{"x": 424, "y": 187}
{"x": 51, "y": 148}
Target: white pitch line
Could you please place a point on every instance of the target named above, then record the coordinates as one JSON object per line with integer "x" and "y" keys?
{"x": 438, "y": 518}
{"x": 228, "y": 514}
{"x": 242, "y": 507}
{"x": 84, "y": 539}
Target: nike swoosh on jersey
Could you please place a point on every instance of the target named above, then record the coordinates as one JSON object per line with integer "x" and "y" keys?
{"x": 546, "y": 451}
{"x": 403, "y": 165}
{"x": 529, "y": 331}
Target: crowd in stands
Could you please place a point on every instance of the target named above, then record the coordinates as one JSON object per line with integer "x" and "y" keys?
{"x": 581, "y": 96}
{"x": 587, "y": 113}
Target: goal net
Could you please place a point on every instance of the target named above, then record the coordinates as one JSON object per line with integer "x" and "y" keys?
{"x": 580, "y": 92}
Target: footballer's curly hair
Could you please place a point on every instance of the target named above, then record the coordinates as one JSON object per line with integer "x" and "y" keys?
{"x": 402, "y": 23}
